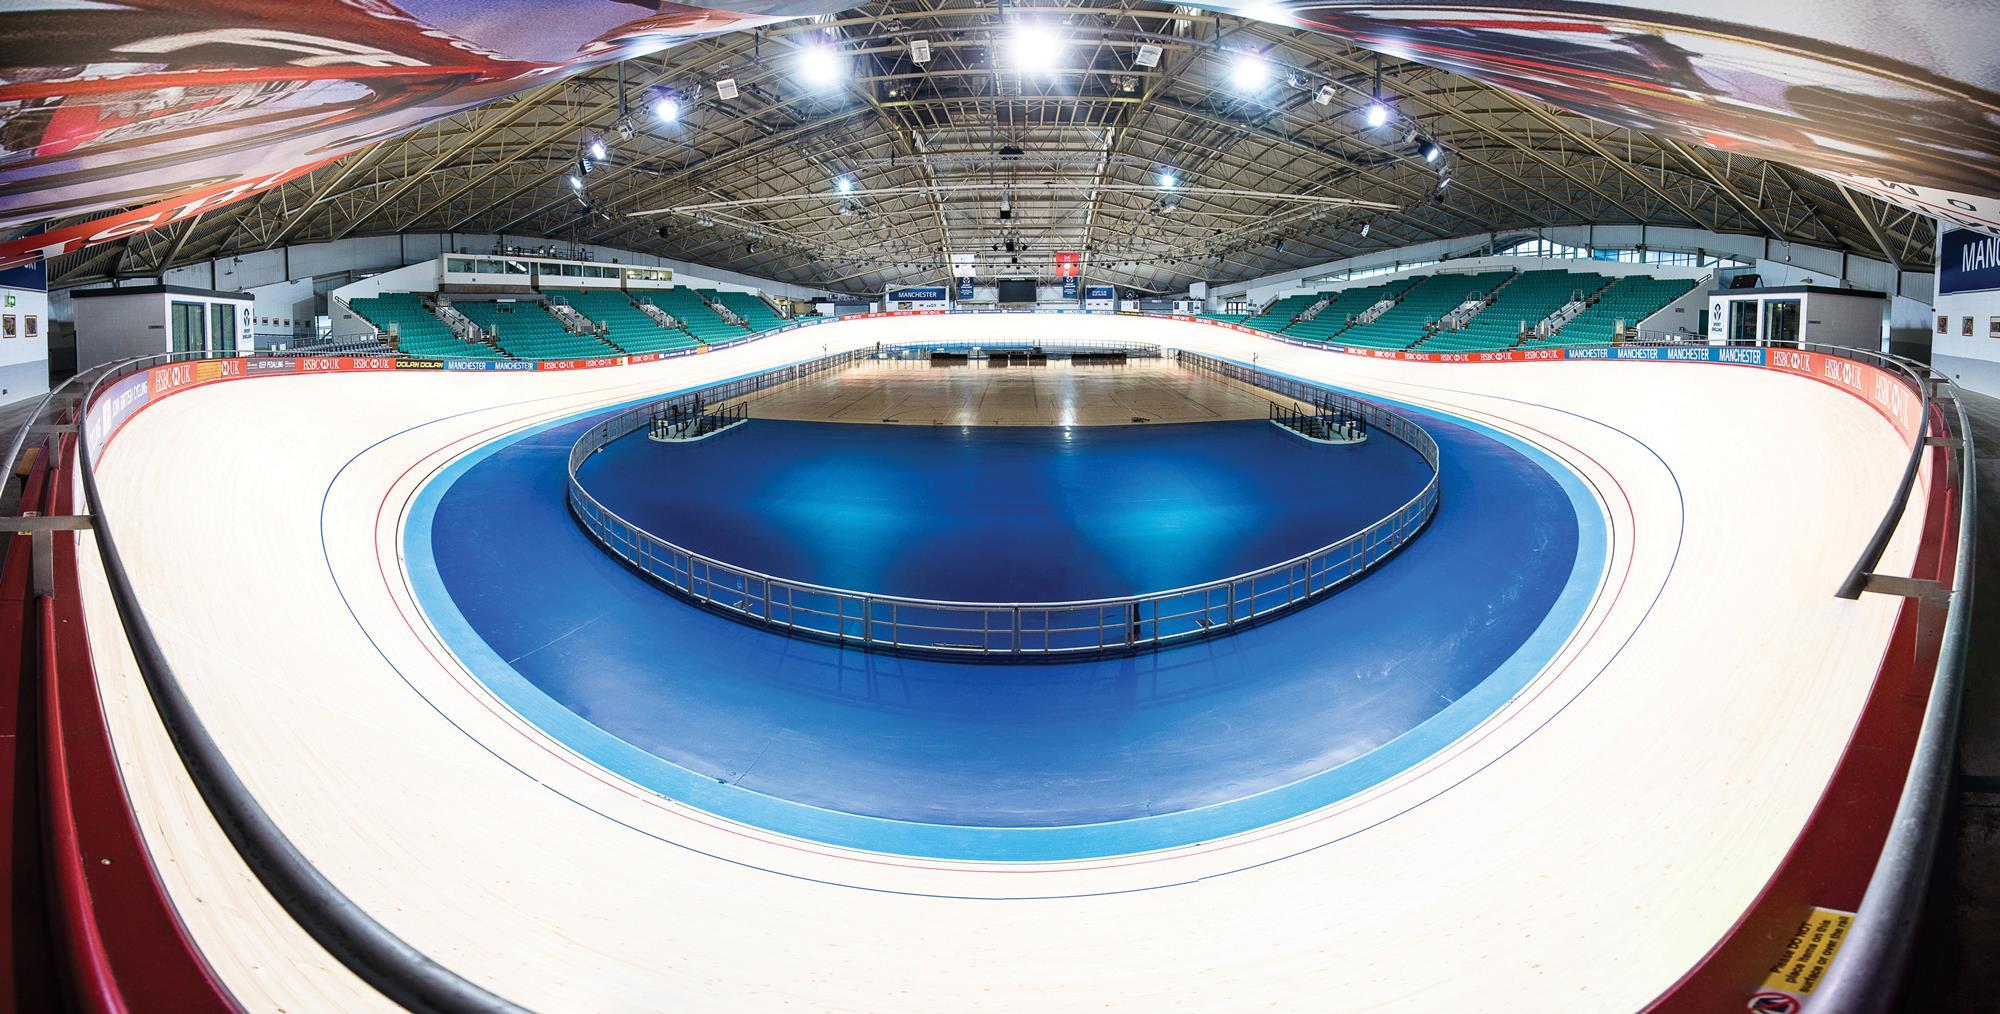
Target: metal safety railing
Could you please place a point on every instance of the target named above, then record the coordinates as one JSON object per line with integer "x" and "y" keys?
{"x": 1009, "y": 630}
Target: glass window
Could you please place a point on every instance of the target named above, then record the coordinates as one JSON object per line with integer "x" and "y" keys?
{"x": 517, "y": 267}
{"x": 458, "y": 265}
{"x": 223, "y": 318}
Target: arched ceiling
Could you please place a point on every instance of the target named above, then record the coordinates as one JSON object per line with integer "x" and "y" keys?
{"x": 1266, "y": 178}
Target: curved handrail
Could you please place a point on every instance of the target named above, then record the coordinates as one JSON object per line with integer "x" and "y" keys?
{"x": 1002, "y": 629}
{"x": 1876, "y": 952}
{"x": 379, "y": 957}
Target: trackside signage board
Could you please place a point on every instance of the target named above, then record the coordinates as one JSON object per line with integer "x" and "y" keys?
{"x": 1968, "y": 261}
{"x": 1885, "y": 391}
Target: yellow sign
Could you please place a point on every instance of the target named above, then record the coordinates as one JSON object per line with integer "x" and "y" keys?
{"x": 1807, "y": 956}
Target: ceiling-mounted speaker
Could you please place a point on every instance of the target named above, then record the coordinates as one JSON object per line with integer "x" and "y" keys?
{"x": 1149, "y": 55}
{"x": 920, "y": 51}
{"x": 726, "y": 88}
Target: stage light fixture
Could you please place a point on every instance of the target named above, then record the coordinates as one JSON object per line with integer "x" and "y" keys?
{"x": 725, "y": 88}
{"x": 844, "y": 184}
{"x": 597, "y": 149}
{"x": 1149, "y": 55}
{"x": 575, "y": 182}
{"x": 1250, "y": 72}
{"x": 1432, "y": 151}
{"x": 1168, "y": 180}
{"x": 626, "y": 130}
{"x": 1378, "y": 114}
{"x": 920, "y": 51}
{"x": 666, "y": 109}
{"x": 1324, "y": 97}
{"x": 1365, "y": 226}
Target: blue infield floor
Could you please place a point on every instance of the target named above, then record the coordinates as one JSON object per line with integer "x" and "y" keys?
{"x": 1004, "y": 513}
{"x": 1027, "y": 762}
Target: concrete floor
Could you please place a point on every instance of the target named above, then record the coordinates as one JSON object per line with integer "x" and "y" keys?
{"x": 913, "y": 392}
{"x": 1954, "y": 967}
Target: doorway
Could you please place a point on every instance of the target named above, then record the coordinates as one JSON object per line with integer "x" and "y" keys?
{"x": 1742, "y": 322}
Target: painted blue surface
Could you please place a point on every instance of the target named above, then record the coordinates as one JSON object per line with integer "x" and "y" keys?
{"x": 1035, "y": 762}
{"x": 1004, "y": 513}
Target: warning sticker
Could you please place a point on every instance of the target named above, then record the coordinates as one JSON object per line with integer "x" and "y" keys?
{"x": 1790, "y": 983}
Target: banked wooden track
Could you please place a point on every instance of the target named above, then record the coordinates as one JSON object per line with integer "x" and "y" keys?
{"x": 1586, "y": 847}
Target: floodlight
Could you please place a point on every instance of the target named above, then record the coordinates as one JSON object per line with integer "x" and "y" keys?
{"x": 820, "y": 65}
{"x": 575, "y": 182}
{"x": 1036, "y": 47}
{"x": 597, "y": 149}
{"x": 666, "y": 109}
{"x": 920, "y": 51}
{"x": 1250, "y": 72}
{"x": 1432, "y": 151}
{"x": 725, "y": 88}
{"x": 1149, "y": 55}
{"x": 1168, "y": 181}
{"x": 1325, "y": 95}
{"x": 1378, "y": 114}
{"x": 844, "y": 184}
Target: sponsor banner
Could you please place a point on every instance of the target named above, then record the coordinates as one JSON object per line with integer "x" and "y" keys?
{"x": 918, "y": 294}
{"x": 468, "y": 364}
{"x": 265, "y": 366}
{"x": 1968, "y": 261}
{"x": 346, "y": 364}
{"x": 420, "y": 364}
{"x": 1889, "y": 393}
{"x": 965, "y": 286}
{"x": 1069, "y": 263}
{"x": 512, "y": 365}
{"x": 1069, "y": 286}
{"x": 115, "y": 405}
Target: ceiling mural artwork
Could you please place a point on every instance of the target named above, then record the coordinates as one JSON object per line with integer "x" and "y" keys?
{"x": 183, "y": 106}
{"x": 1900, "y": 101}
{"x": 854, "y": 148}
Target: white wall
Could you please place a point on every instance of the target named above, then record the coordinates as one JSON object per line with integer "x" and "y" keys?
{"x": 283, "y": 311}
{"x": 1972, "y": 362}
{"x": 1683, "y": 314}
{"x": 109, "y": 328}
{"x": 24, "y": 352}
